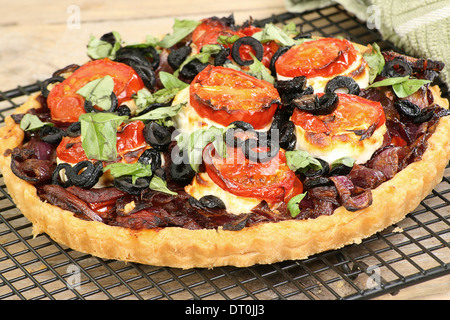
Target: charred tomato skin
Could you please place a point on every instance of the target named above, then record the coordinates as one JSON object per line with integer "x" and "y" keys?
{"x": 225, "y": 95}
{"x": 66, "y": 105}
{"x": 272, "y": 181}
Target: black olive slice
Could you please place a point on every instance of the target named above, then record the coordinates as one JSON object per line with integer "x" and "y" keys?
{"x": 287, "y": 136}
{"x": 260, "y": 157}
{"x": 313, "y": 182}
{"x": 156, "y": 135}
{"x": 239, "y": 126}
{"x": 146, "y": 73}
{"x": 327, "y": 104}
{"x": 151, "y": 156}
{"x": 85, "y": 174}
{"x": 67, "y": 69}
{"x": 396, "y": 68}
{"x": 55, "y": 79}
{"x": 212, "y": 202}
{"x": 56, "y": 177}
{"x": 252, "y": 42}
{"x": 407, "y": 108}
{"x": 222, "y": 57}
{"x": 191, "y": 69}
{"x": 340, "y": 170}
{"x": 74, "y": 130}
{"x": 180, "y": 169}
{"x": 123, "y": 110}
{"x": 274, "y": 59}
{"x": 51, "y": 134}
{"x": 308, "y": 102}
{"x": 425, "y": 115}
{"x": 109, "y": 37}
{"x": 125, "y": 183}
{"x": 88, "y": 107}
{"x": 316, "y": 173}
{"x": 341, "y": 82}
{"x": 177, "y": 56}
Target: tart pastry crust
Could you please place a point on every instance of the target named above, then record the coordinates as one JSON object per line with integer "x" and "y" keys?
{"x": 263, "y": 243}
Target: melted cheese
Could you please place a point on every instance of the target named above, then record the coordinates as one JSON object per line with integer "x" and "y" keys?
{"x": 202, "y": 185}
{"x": 319, "y": 83}
{"x": 344, "y": 144}
{"x": 188, "y": 120}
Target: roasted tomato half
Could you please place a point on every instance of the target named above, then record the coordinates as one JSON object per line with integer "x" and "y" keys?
{"x": 272, "y": 181}
{"x": 66, "y": 105}
{"x": 130, "y": 144}
{"x": 210, "y": 29}
{"x": 324, "y": 57}
{"x": 226, "y": 95}
{"x": 352, "y": 113}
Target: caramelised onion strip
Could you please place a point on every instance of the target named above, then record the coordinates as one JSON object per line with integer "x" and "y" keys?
{"x": 60, "y": 197}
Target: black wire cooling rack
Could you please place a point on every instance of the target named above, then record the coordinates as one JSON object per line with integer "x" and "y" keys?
{"x": 413, "y": 251}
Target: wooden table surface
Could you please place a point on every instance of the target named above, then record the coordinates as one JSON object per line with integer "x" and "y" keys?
{"x": 38, "y": 37}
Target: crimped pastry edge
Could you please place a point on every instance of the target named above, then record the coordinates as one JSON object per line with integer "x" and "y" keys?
{"x": 264, "y": 243}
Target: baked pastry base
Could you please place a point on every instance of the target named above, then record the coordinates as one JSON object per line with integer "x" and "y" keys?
{"x": 264, "y": 243}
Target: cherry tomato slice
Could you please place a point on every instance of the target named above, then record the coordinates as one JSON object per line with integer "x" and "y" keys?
{"x": 272, "y": 181}
{"x": 210, "y": 29}
{"x": 66, "y": 105}
{"x": 324, "y": 57}
{"x": 225, "y": 95}
{"x": 352, "y": 113}
{"x": 130, "y": 137}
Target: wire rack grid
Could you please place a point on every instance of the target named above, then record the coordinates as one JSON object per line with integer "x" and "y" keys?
{"x": 413, "y": 251}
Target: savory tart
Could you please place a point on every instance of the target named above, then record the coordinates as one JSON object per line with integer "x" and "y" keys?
{"x": 220, "y": 144}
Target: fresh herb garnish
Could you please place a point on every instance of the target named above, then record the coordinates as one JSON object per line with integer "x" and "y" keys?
{"x": 402, "y": 86}
{"x": 99, "y": 135}
{"x": 346, "y": 161}
{"x": 195, "y": 142}
{"x": 99, "y": 49}
{"x": 181, "y": 29}
{"x": 376, "y": 62}
{"x": 31, "y": 122}
{"x": 98, "y": 92}
{"x": 302, "y": 161}
{"x": 293, "y": 204}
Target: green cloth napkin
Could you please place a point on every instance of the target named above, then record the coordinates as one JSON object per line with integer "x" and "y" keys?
{"x": 419, "y": 27}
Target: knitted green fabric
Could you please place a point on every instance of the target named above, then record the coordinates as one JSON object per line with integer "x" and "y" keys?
{"x": 419, "y": 27}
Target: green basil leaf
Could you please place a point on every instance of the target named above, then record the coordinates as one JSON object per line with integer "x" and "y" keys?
{"x": 158, "y": 184}
{"x": 98, "y": 92}
{"x": 145, "y": 98}
{"x": 293, "y": 204}
{"x": 195, "y": 142}
{"x": 302, "y": 160}
{"x": 99, "y": 135}
{"x": 99, "y": 49}
{"x": 169, "y": 81}
{"x": 407, "y": 88}
{"x": 135, "y": 170}
{"x": 259, "y": 70}
{"x": 388, "y": 82}
{"x": 272, "y": 32}
{"x": 31, "y": 122}
{"x": 376, "y": 62}
{"x": 227, "y": 40}
{"x": 160, "y": 113}
{"x": 290, "y": 29}
{"x": 181, "y": 29}
{"x": 346, "y": 161}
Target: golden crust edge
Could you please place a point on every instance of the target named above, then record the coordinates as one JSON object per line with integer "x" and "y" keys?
{"x": 262, "y": 244}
